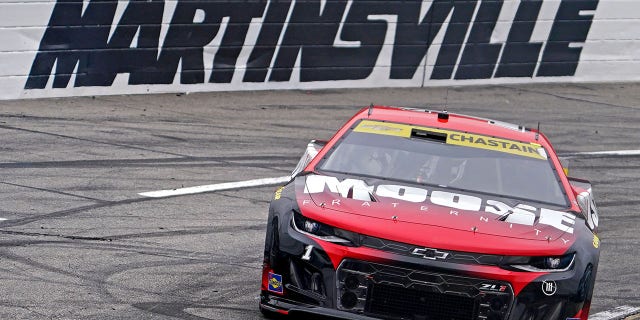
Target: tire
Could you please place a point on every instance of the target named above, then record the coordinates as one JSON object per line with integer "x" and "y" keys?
{"x": 273, "y": 253}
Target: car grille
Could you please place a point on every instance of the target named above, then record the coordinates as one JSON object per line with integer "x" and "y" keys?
{"x": 405, "y": 303}
{"x": 393, "y": 292}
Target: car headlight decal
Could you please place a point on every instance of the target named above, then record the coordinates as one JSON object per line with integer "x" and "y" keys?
{"x": 311, "y": 226}
{"x": 322, "y": 231}
{"x": 541, "y": 264}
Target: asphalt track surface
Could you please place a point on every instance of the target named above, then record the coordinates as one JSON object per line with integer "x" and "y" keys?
{"x": 79, "y": 242}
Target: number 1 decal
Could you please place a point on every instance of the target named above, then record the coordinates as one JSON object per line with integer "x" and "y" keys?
{"x": 307, "y": 253}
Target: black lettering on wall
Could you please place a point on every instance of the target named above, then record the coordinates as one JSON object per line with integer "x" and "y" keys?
{"x": 454, "y": 38}
{"x": 310, "y": 34}
{"x": 262, "y": 54}
{"x": 415, "y": 36}
{"x": 559, "y": 58}
{"x": 186, "y": 39}
{"x": 141, "y": 17}
{"x": 520, "y": 56}
{"x": 323, "y": 60}
{"x": 313, "y": 31}
{"x": 184, "y": 43}
{"x": 240, "y": 15}
{"x": 480, "y": 56}
{"x": 412, "y": 40}
{"x": 356, "y": 62}
{"x": 69, "y": 40}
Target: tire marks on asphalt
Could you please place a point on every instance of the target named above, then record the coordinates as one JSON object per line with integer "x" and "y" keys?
{"x": 101, "y": 278}
{"x": 69, "y": 212}
{"x": 207, "y": 264}
{"x": 568, "y": 98}
{"x": 267, "y": 162}
{"x": 128, "y": 146}
{"x": 54, "y": 191}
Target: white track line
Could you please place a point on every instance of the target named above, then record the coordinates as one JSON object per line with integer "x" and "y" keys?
{"x": 608, "y": 153}
{"x": 215, "y": 187}
{"x": 278, "y": 180}
{"x": 618, "y": 313}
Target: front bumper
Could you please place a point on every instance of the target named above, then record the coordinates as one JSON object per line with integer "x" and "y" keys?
{"x": 368, "y": 283}
{"x": 387, "y": 291}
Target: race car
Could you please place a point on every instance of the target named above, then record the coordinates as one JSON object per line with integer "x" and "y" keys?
{"x": 425, "y": 215}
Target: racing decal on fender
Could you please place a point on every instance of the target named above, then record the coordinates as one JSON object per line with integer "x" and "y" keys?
{"x": 278, "y": 194}
{"x": 307, "y": 253}
{"x": 275, "y": 283}
{"x": 549, "y": 288}
{"x": 520, "y": 214}
{"x": 525, "y": 149}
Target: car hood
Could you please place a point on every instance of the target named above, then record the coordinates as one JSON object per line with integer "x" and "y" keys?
{"x": 380, "y": 201}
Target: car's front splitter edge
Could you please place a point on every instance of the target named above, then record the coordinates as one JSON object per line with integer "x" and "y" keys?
{"x": 284, "y": 306}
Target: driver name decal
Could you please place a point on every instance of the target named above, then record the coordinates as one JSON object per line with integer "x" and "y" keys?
{"x": 531, "y": 150}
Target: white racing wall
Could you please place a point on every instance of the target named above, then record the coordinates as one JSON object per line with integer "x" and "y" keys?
{"x": 54, "y": 48}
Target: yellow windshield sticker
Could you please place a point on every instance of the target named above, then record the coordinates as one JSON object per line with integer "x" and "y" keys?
{"x": 490, "y": 143}
{"x": 532, "y": 150}
{"x": 389, "y": 129}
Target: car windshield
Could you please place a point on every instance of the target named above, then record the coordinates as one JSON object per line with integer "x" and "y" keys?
{"x": 428, "y": 161}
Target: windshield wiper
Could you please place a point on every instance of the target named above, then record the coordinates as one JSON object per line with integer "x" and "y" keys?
{"x": 505, "y": 216}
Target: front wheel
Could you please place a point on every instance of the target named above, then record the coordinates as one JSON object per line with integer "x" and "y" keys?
{"x": 273, "y": 250}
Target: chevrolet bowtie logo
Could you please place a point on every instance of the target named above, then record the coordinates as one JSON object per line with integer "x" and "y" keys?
{"x": 431, "y": 254}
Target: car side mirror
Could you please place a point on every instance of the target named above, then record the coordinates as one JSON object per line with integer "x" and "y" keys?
{"x": 586, "y": 201}
{"x": 313, "y": 148}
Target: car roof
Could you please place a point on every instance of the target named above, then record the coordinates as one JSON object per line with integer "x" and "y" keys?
{"x": 458, "y": 122}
